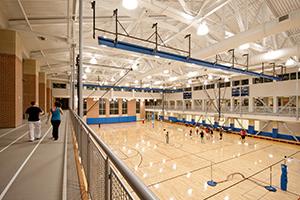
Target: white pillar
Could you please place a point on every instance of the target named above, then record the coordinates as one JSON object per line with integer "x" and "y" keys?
{"x": 250, "y": 108}
{"x": 275, "y": 104}
{"x": 231, "y": 104}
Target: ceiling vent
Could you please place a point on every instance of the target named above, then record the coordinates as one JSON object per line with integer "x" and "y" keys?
{"x": 282, "y": 18}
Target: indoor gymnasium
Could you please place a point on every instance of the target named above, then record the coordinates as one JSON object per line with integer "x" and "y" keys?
{"x": 150, "y": 99}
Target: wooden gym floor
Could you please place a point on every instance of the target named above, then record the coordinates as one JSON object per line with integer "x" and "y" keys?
{"x": 180, "y": 169}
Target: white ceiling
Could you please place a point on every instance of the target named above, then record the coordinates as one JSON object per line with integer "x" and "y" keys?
{"x": 175, "y": 18}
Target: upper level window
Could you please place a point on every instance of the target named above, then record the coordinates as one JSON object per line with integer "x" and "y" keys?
{"x": 59, "y": 85}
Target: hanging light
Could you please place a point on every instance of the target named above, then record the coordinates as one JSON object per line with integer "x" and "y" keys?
{"x": 84, "y": 76}
{"x": 149, "y": 77}
{"x": 205, "y": 82}
{"x": 93, "y": 61}
{"x": 210, "y": 77}
{"x": 122, "y": 73}
{"x": 202, "y": 29}
{"x": 88, "y": 70}
{"x": 136, "y": 81}
{"x": 112, "y": 79}
{"x": 130, "y": 4}
{"x": 290, "y": 62}
{"x": 190, "y": 81}
{"x": 244, "y": 46}
{"x": 226, "y": 79}
{"x": 166, "y": 71}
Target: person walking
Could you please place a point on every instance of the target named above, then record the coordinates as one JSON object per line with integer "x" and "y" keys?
{"x": 55, "y": 114}
{"x": 34, "y": 121}
{"x": 243, "y": 135}
{"x": 167, "y": 137}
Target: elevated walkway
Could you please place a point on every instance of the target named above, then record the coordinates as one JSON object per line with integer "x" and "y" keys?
{"x": 43, "y": 169}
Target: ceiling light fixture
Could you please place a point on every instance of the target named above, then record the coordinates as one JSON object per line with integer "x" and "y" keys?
{"x": 88, "y": 70}
{"x": 166, "y": 71}
{"x": 210, "y": 77}
{"x": 290, "y": 62}
{"x": 84, "y": 76}
{"x": 202, "y": 29}
{"x": 130, "y": 4}
{"x": 93, "y": 61}
{"x": 149, "y": 77}
{"x": 226, "y": 79}
{"x": 244, "y": 46}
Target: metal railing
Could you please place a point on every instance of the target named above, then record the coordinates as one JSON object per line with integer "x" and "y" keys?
{"x": 257, "y": 110}
{"x": 107, "y": 176}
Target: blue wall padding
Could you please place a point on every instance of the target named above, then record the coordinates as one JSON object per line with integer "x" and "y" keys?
{"x": 110, "y": 120}
{"x": 283, "y": 178}
{"x": 216, "y": 124}
{"x": 172, "y": 119}
{"x": 231, "y": 126}
{"x": 251, "y": 129}
{"x": 161, "y": 117}
{"x": 274, "y": 132}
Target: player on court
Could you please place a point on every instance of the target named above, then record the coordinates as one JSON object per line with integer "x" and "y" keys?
{"x": 167, "y": 137}
{"x": 221, "y": 133}
{"x": 202, "y": 136}
{"x": 243, "y": 135}
{"x": 197, "y": 130}
{"x": 191, "y": 132}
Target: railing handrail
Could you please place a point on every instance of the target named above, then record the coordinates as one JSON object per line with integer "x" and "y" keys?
{"x": 135, "y": 183}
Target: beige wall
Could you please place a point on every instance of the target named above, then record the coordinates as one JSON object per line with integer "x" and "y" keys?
{"x": 42, "y": 90}
{"x": 131, "y": 107}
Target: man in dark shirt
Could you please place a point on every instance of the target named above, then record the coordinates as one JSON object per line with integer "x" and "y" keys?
{"x": 34, "y": 121}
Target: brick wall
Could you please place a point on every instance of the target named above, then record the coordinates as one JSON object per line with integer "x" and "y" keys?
{"x": 29, "y": 89}
{"x": 10, "y": 91}
{"x": 131, "y": 107}
{"x": 92, "y": 107}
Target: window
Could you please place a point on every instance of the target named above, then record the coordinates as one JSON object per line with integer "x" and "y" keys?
{"x": 187, "y": 89}
{"x": 102, "y": 105}
{"x": 235, "y": 83}
{"x": 227, "y": 84}
{"x": 245, "y": 82}
{"x": 293, "y": 76}
{"x": 124, "y": 107}
{"x": 197, "y": 88}
{"x": 84, "y": 107}
{"x": 114, "y": 107}
{"x": 267, "y": 80}
{"x": 90, "y": 87}
{"x": 138, "y": 107}
{"x": 210, "y": 86}
{"x": 59, "y": 85}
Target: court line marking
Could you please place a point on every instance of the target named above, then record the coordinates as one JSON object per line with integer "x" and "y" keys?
{"x": 12, "y": 130}
{"x": 22, "y": 166}
{"x": 14, "y": 141}
{"x": 247, "y": 178}
{"x": 216, "y": 163}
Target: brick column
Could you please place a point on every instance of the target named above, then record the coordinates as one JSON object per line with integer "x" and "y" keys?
{"x": 30, "y": 83}
{"x": 11, "y": 86}
{"x": 131, "y": 107}
{"x": 42, "y": 90}
{"x": 142, "y": 110}
{"x": 49, "y": 96}
{"x": 92, "y": 107}
{"x": 120, "y": 106}
{"x": 107, "y": 106}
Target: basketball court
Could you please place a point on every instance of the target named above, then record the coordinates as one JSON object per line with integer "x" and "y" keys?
{"x": 181, "y": 169}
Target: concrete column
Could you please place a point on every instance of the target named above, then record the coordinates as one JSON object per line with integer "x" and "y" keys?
{"x": 49, "y": 96}
{"x": 275, "y": 104}
{"x": 92, "y": 108}
{"x": 42, "y": 90}
{"x": 251, "y": 105}
{"x": 175, "y": 105}
{"x": 11, "y": 85}
{"x": 30, "y": 82}
{"x": 193, "y": 104}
